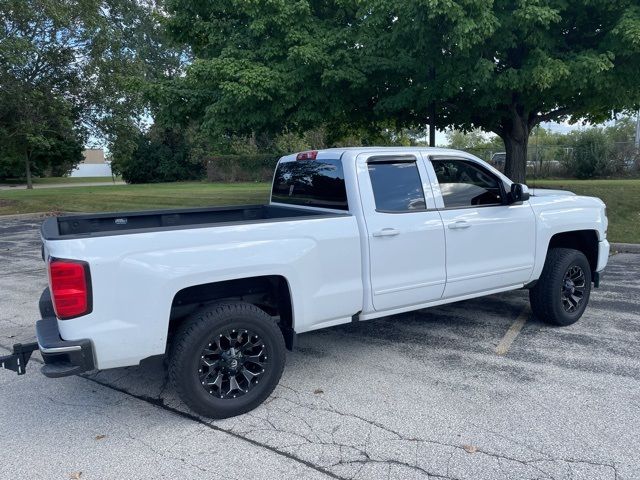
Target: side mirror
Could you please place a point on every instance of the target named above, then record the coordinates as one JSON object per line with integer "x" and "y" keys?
{"x": 519, "y": 193}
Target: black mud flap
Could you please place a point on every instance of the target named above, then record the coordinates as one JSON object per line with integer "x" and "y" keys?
{"x": 17, "y": 361}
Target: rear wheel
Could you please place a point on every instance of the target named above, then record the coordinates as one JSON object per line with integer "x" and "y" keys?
{"x": 227, "y": 359}
{"x": 562, "y": 292}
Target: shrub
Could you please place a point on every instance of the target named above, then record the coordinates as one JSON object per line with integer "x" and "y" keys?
{"x": 159, "y": 157}
{"x": 592, "y": 155}
{"x": 241, "y": 168}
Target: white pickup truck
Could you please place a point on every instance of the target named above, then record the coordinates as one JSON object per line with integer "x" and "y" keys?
{"x": 349, "y": 235}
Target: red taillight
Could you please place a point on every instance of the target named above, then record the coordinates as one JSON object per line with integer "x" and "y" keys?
{"x": 70, "y": 288}
{"x": 310, "y": 155}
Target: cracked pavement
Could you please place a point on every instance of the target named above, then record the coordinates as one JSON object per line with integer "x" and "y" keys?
{"x": 414, "y": 396}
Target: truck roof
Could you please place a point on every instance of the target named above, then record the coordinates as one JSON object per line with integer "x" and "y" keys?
{"x": 342, "y": 150}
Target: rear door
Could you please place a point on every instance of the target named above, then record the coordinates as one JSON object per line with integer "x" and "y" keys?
{"x": 490, "y": 245}
{"x": 404, "y": 231}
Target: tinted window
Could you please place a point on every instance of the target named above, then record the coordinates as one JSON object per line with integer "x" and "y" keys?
{"x": 314, "y": 183}
{"x": 396, "y": 186}
{"x": 466, "y": 184}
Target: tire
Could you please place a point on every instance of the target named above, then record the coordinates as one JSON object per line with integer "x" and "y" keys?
{"x": 551, "y": 299}
{"x": 205, "y": 348}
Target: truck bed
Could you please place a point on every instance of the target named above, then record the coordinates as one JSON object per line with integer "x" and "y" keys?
{"x": 120, "y": 223}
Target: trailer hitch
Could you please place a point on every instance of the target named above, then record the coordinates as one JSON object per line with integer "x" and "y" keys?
{"x": 17, "y": 361}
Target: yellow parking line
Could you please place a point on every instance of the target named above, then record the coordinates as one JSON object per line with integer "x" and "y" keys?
{"x": 512, "y": 333}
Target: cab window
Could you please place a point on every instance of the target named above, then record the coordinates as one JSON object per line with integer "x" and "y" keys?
{"x": 396, "y": 186}
{"x": 312, "y": 183}
{"x": 467, "y": 184}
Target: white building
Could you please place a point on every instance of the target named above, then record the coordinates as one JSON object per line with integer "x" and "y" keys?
{"x": 93, "y": 165}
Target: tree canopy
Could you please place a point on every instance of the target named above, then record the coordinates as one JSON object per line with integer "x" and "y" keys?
{"x": 500, "y": 65}
{"x": 74, "y": 68}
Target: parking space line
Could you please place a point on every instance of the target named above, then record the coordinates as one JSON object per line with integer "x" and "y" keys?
{"x": 512, "y": 333}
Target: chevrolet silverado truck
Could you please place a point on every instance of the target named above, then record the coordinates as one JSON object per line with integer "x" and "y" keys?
{"x": 349, "y": 235}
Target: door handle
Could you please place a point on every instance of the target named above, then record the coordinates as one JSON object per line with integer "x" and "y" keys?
{"x": 386, "y": 232}
{"x": 459, "y": 225}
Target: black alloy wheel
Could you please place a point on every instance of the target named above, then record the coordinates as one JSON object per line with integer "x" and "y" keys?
{"x": 232, "y": 363}
{"x": 573, "y": 288}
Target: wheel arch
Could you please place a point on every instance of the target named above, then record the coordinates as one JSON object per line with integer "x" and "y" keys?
{"x": 270, "y": 293}
{"x": 585, "y": 241}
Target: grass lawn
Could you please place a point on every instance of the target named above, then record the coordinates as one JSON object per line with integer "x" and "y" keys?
{"x": 621, "y": 196}
{"x": 131, "y": 197}
{"x": 56, "y": 180}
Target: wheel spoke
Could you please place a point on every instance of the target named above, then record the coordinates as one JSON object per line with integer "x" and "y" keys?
{"x": 233, "y": 384}
{"x": 216, "y": 382}
{"x": 211, "y": 351}
{"x": 249, "y": 375}
{"x": 576, "y": 299}
{"x": 255, "y": 358}
{"x": 252, "y": 342}
{"x": 209, "y": 363}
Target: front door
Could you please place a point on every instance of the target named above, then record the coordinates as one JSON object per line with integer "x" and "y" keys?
{"x": 490, "y": 245}
{"x": 404, "y": 231}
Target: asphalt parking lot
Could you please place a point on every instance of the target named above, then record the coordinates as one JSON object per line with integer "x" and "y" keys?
{"x": 437, "y": 393}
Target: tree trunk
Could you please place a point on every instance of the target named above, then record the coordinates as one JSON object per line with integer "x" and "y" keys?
{"x": 515, "y": 166}
{"x": 27, "y": 165}
{"x": 515, "y": 135}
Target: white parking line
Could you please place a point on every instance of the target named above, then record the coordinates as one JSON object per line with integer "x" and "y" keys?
{"x": 512, "y": 333}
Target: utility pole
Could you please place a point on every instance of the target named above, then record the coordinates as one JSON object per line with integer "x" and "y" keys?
{"x": 432, "y": 124}
{"x": 432, "y": 112}
{"x": 638, "y": 130}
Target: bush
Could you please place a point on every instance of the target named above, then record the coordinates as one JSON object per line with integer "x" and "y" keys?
{"x": 593, "y": 155}
{"x": 159, "y": 157}
{"x": 241, "y": 168}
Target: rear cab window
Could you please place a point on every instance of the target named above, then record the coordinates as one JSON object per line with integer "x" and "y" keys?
{"x": 396, "y": 185}
{"x": 311, "y": 183}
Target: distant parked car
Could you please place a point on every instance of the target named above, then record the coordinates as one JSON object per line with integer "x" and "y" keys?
{"x": 498, "y": 159}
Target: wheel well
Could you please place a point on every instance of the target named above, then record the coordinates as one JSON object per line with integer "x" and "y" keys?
{"x": 584, "y": 240}
{"x": 269, "y": 293}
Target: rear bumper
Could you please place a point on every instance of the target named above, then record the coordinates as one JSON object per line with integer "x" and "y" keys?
{"x": 61, "y": 357}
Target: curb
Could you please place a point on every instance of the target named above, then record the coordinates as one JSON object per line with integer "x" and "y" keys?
{"x": 25, "y": 216}
{"x": 625, "y": 247}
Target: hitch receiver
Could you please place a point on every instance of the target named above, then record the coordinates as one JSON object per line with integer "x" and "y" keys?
{"x": 17, "y": 361}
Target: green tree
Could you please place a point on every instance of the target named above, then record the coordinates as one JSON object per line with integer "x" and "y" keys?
{"x": 592, "y": 154}
{"x": 506, "y": 66}
{"x": 73, "y": 67}
{"x": 39, "y": 41}
{"x": 499, "y": 65}
{"x": 159, "y": 155}
{"x": 130, "y": 55}
{"x": 265, "y": 67}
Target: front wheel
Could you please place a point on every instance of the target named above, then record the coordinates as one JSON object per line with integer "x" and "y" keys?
{"x": 562, "y": 292}
{"x": 227, "y": 359}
